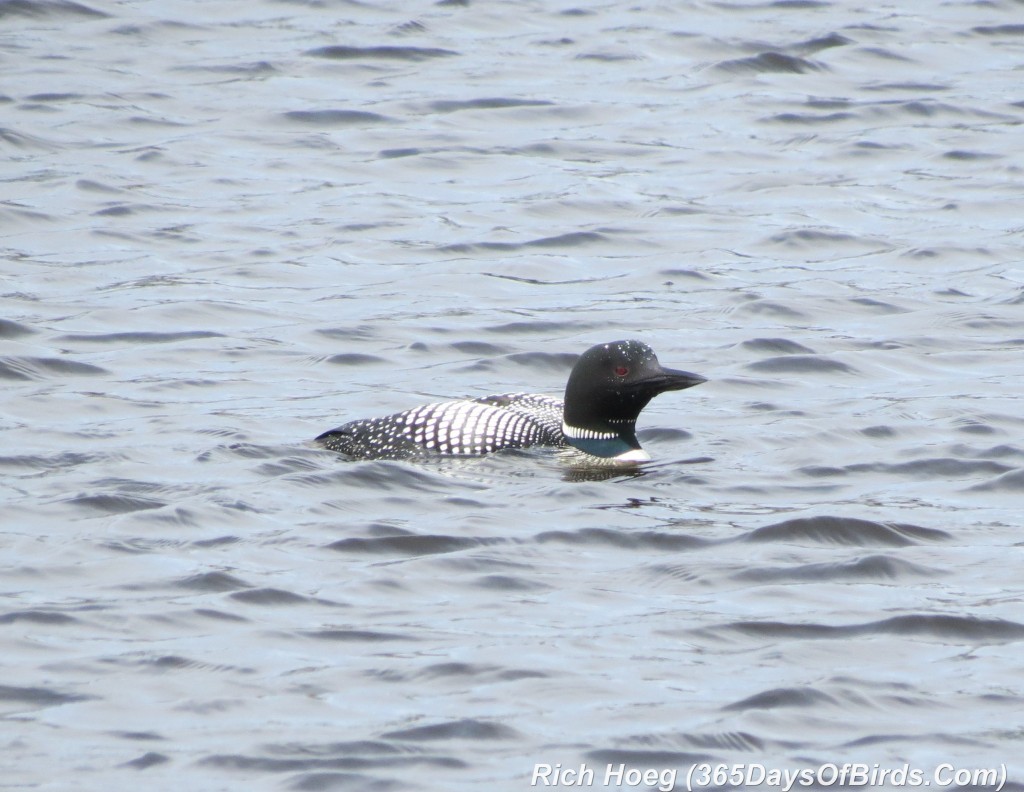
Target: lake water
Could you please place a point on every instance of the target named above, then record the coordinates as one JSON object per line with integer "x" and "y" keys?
{"x": 228, "y": 227}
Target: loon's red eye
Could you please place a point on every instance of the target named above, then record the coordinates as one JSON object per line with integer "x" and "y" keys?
{"x": 621, "y": 371}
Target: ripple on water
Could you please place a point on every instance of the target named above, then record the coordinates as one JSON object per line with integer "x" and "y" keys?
{"x": 109, "y": 503}
{"x": 39, "y": 368}
{"x": 20, "y": 697}
{"x": 776, "y": 346}
{"x": 494, "y": 103}
{"x": 1013, "y": 481}
{"x": 133, "y": 338}
{"x": 801, "y": 364}
{"x": 297, "y": 757}
{"x": 632, "y": 757}
{"x": 36, "y": 616}
{"x": 50, "y": 8}
{"x": 356, "y": 635}
{"x": 844, "y": 531}
{"x": 415, "y": 54}
{"x": 947, "y": 468}
{"x": 872, "y": 567}
{"x": 783, "y": 697}
{"x": 11, "y": 329}
{"x": 572, "y": 239}
{"x": 767, "y": 63}
{"x": 211, "y": 582}
{"x": 411, "y": 545}
{"x": 943, "y": 627}
{"x": 272, "y": 596}
{"x": 633, "y": 540}
{"x": 336, "y": 117}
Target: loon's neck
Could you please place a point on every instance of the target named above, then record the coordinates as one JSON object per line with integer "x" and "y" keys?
{"x": 613, "y": 440}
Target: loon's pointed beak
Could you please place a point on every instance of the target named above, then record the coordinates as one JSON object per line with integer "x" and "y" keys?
{"x": 673, "y": 379}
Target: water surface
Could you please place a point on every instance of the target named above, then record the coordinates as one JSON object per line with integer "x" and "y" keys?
{"x": 227, "y": 227}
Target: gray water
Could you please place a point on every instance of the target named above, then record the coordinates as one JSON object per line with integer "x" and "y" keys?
{"x": 230, "y": 226}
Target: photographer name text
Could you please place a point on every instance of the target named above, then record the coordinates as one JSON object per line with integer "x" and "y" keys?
{"x": 755, "y": 774}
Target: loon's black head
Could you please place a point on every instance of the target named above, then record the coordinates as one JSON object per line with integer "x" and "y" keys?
{"x": 608, "y": 387}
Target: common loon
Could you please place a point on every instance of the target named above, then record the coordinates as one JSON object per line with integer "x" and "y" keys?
{"x": 608, "y": 387}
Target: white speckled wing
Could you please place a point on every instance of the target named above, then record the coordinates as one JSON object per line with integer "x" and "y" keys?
{"x": 461, "y": 427}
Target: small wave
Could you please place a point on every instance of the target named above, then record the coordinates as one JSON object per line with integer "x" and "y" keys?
{"x": 33, "y": 368}
{"x": 270, "y": 596}
{"x": 49, "y": 8}
{"x": 11, "y": 329}
{"x": 415, "y": 54}
{"x": 286, "y": 466}
{"x": 801, "y": 364}
{"x": 778, "y": 346}
{"x": 453, "y": 106}
{"x": 877, "y": 306}
{"x": 37, "y": 696}
{"x": 37, "y": 617}
{"x": 147, "y": 760}
{"x": 335, "y": 117}
{"x": 628, "y": 539}
{"x": 411, "y": 27}
{"x": 909, "y": 86}
{"x": 144, "y": 337}
{"x": 873, "y": 567}
{"x": 62, "y": 461}
{"x": 303, "y": 762}
{"x": 212, "y": 581}
{"x": 398, "y": 153}
{"x": 542, "y": 326}
{"x": 999, "y": 30}
{"x": 465, "y": 729}
{"x": 478, "y": 672}
{"x": 259, "y": 68}
{"x": 568, "y": 240}
{"x": 481, "y": 348}
{"x": 940, "y": 625}
{"x": 211, "y": 613}
{"x": 717, "y": 741}
{"x": 354, "y": 333}
{"x": 669, "y": 433}
{"x": 811, "y": 118}
{"x": 939, "y": 467}
{"x": 815, "y": 238}
{"x": 681, "y": 272}
{"x": 844, "y": 531}
{"x": 609, "y": 57}
{"x": 768, "y": 62}
{"x": 25, "y": 141}
{"x": 822, "y": 42}
{"x": 354, "y": 359}
{"x": 1013, "y": 481}
{"x": 771, "y": 308}
{"x": 54, "y": 97}
{"x": 389, "y": 475}
{"x": 124, "y": 210}
{"x": 968, "y": 629}
{"x": 922, "y": 109}
{"x": 410, "y": 545}
{"x": 508, "y": 583}
{"x": 636, "y": 758}
{"x": 782, "y": 697}
{"x": 171, "y": 662}
{"x": 1001, "y": 451}
{"x": 115, "y": 504}
{"x": 544, "y": 361}
{"x": 970, "y": 156}
{"x": 363, "y": 636}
